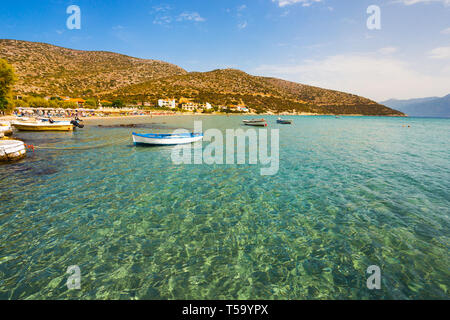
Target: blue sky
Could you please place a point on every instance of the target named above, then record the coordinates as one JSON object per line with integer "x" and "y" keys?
{"x": 319, "y": 42}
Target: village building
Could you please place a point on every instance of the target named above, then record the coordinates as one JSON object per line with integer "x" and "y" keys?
{"x": 103, "y": 103}
{"x": 242, "y": 109}
{"x": 144, "y": 104}
{"x": 190, "y": 106}
{"x": 167, "y": 103}
{"x": 238, "y": 108}
{"x": 80, "y": 102}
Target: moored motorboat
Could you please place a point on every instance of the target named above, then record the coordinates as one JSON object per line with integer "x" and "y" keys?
{"x": 166, "y": 138}
{"x": 43, "y": 126}
{"x": 77, "y": 123}
{"x": 284, "y": 121}
{"x": 255, "y": 122}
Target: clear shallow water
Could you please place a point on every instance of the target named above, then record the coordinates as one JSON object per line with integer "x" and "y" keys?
{"x": 350, "y": 193}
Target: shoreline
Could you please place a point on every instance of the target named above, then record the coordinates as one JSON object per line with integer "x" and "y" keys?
{"x": 12, "y": 118}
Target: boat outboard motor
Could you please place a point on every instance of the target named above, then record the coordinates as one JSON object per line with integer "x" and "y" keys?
{"x": 77, "y": 124}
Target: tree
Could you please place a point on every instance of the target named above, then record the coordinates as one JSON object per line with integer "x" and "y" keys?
{"x": 118, "y": 104}
{"x": 7, "y": 80}
{"x": 91, "y": 103}
{"x": 21, "y": 104}
{"x": 38, "y": 102}
{"x": 68, "y": 105}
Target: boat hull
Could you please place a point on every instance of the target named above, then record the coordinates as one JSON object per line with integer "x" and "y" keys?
{"x": 43, "y": 126}
{"x": 284, "y": 121}
{"x": 256, "y": 124}
{"x": 165, "y": 140}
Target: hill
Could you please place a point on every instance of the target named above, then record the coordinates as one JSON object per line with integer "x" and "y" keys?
{"x": 230, "y": 86}
{"x": 423, "y": 107}
{"x": 44, "y": 69}
{"x": 51, "y": 70}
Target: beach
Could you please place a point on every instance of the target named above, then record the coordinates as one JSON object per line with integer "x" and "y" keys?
{"x": 118, "y": 117}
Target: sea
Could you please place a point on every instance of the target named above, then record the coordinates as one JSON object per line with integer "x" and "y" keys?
{"x": 351, "y": 195}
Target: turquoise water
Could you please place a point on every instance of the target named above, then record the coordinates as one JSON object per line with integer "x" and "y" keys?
{"x": 350, "y": 193}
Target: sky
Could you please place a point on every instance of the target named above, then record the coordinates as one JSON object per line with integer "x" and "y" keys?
{"x": 325, "y": 43}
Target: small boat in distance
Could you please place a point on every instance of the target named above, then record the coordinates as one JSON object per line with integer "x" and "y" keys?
{"x": 255, "y": 122}
{"x": 165, "y": 139}
{"x": 281, "y": 121}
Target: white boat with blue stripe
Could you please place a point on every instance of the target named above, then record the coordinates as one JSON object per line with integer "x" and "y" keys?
{"x": 166, "y": 139}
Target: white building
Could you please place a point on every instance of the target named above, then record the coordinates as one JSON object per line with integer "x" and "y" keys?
{"x": 190, "y": 106}
{"x": 167, "y": 103}
{"x": 242, "y": 109}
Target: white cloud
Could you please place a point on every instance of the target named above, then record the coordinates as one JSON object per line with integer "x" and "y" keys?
{"x": 161, "y": 8}
{"x": 164, "y": 17}
{"x": 446, "y": 31}
{"x": 190, "y": 16}
{"x": 440, "y": 53}
{"x": 305, "y": 3}
{"x": 241, "y": 16}
{"x": 242, "y": 25}
{"x": 242, "y": 7}
{"x": 411, "y": 2}
{"x": 162, "y": 20}
{"x": 388, "y": 50}
{"x": 369, "y": 75}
